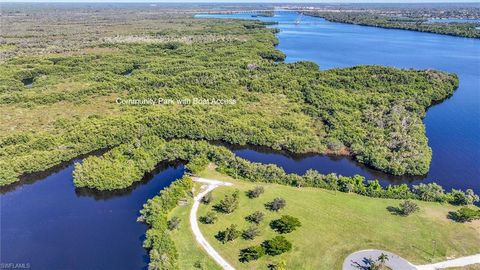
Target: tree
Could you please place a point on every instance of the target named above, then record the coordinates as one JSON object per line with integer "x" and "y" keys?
{"x": 408, "y": 207}
{"x": 229, "y": 203}
{"x": 229, "y": 234}
{"x": 255, "y": 192}
{"x": 209, "y": 218}
{"x": 251, "y": 233}
{"x": 208, "y": 198}
{"x": 373, "y": 188}
{"x": 251, "y": 253}
{"x": 334, "y": 145}
{"x": 197, "y": 164}
{"x": 382, "y": 259}
{"x": 255, "y": 217}
{"x": 459, "y": 197}
{"x": 173, "y": 223}
{"x": 277, "y": 245}
{"x": 276, "y": 204}
{"x": 285, "y": 224}
{"x": 471, "y": 197}
{"x": 429, "y": 192}
{"x": 273, "y": 55}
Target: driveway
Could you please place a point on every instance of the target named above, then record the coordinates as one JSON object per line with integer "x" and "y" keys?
{"x": 361, "y": 260}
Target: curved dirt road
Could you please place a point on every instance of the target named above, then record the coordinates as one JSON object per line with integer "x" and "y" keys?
{"x": 210, "y": 185}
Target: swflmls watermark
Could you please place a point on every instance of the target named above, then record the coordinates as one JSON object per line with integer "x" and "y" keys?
{"x": 14, "y": 265}
{"x": 171, "y": 101}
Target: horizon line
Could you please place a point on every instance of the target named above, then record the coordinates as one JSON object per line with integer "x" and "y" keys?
{"x": 250, "y": 1}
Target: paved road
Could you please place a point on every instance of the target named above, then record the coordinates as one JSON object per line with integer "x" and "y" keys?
{"x": 210, "y": 185}
{"x": 458, "y": 262}
{"x": 360, "y": 261}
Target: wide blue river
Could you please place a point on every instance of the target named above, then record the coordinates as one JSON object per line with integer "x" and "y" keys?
{"x": 47, "y": 224}
{"x": 453, "y": 127}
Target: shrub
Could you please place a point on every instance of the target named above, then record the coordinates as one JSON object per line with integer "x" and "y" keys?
{"x": 173, "y": 223}
{"x": 208, "y": 198}
{"x": 277, "y": 245}
{"x": 408, "y": 207}
{"x": 285, "y": 224}
{"x": 465, "y": 214}
{"x": 251, "y": 253}
{"x": 255, "y": 217}
{"x": 281, "y": 265}
{"x": 229, "y": 234}
{"x": 228, "y": 204}
{"x": 276, "y": 204}
{"x": 199, "y": 265}
{"x": 251, "y": 233}
{"x": 209, "y": 218}
{"x": 256, "y": 192}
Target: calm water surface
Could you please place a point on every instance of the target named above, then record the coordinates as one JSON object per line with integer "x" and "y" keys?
{"x": 51, "y": 226}
{"x": 453, "y": 127}
{"x": 449, "y": 20}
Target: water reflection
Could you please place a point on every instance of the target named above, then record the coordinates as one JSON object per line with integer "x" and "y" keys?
{"x": 106, "y": 195}
{"x": 52, "y": 225}
{"x": 30, "y": 179}
{"x": 325, "y": 164}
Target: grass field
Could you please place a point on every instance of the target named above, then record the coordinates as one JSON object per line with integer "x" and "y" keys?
{"x": 333, "y": 226}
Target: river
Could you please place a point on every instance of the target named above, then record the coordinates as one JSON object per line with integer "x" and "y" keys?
{"x": 48, "y": 224}
{"x": 453, "y": 126}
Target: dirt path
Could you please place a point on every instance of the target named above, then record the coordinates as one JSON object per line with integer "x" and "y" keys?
{"x": 210, "y": 185}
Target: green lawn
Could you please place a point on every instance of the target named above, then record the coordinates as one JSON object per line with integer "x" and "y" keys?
{"x": 334, "y": 225}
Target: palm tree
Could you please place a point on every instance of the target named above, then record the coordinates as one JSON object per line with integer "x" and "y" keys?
{"x": 383, "y": 258}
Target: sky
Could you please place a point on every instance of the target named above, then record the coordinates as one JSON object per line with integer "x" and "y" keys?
{"x": 253, "y": 1}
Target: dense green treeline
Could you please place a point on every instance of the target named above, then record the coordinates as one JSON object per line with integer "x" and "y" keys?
{"x": 162, "y": 251}
{"x": 122, "y": 166}
{"x": 462, "y": 29}
{"x": 373, "y": 113}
